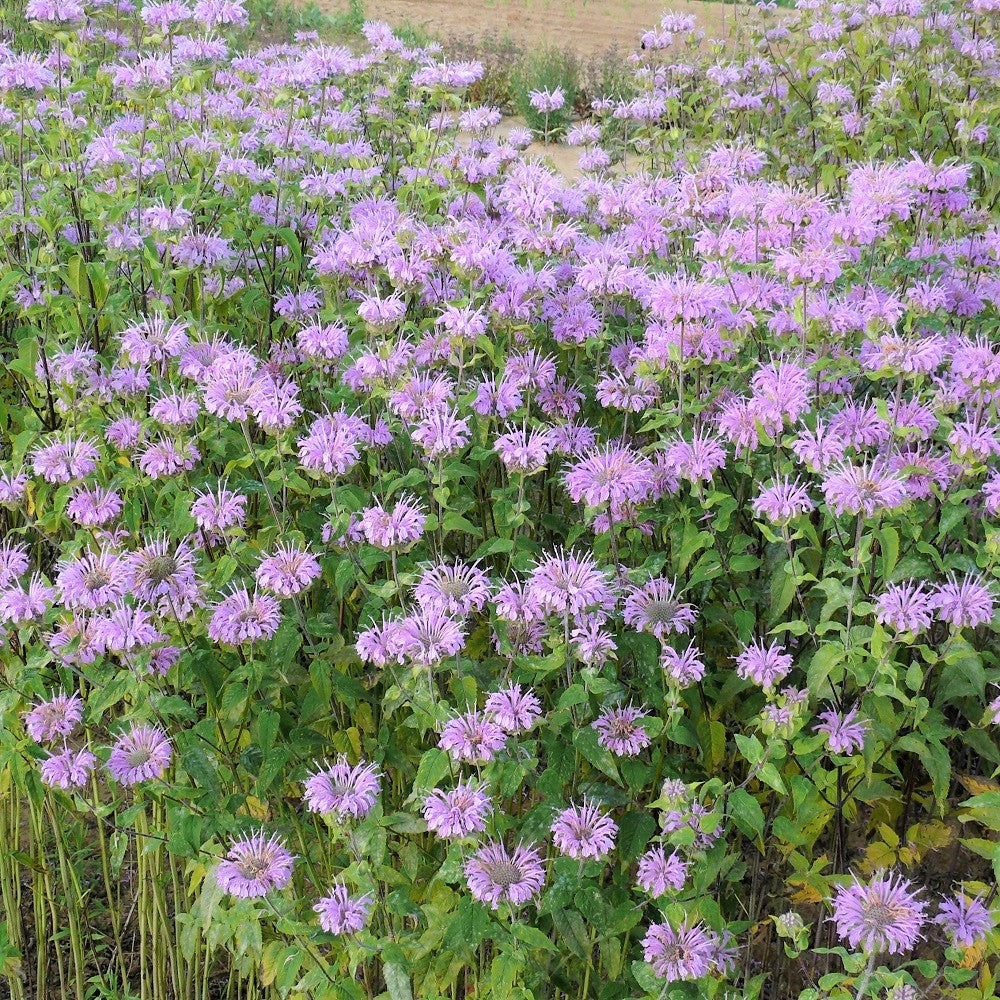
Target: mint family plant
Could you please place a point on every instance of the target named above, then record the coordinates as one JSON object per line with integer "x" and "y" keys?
{"x": 424, "y": 575}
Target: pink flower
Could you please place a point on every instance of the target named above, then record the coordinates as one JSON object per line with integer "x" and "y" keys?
{"x": 764, "y": 665}
{"x": 620, "y": 731}
{"x": 341, "y": 913}
{"x": 496, "y": 875}
{"x": 584, "y": 832}
{"x": 884, "y": 915}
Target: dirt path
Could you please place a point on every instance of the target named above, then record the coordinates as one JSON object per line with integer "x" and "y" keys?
{"x": 586, "y": 26}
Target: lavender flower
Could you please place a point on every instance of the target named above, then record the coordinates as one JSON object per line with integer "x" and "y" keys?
{"x": 425, "y": 638}
{"x": 513, "y": 710}
{"x": 612, "y": 475}
{"x": 764, "y": 665}
{"x": 243, "y": 617}
{"x": 347, "y": 791}
{"x": 455, "y": 590}
{"x": 68, "y": 769}
{"x": 13, "y": 562}
{"x": 906, "y": 607}
{"x": 94, "y": 507}
{"x": 22, "y": 604}
{"x": 457, "y": 813}
{"x": 442, "y": 432}
{"x": 341, "y": 913}
{"x": 163, "y": 576}
{"x": 675, "y": 955}
{"x": 782, "y": 501}
{"x": 660, "y": 872}
{"x": 496, "y": 875}
{"x": 845, "y": 733}
{"x": 584, "y": 832}
{"x": 398, "y": 528}
{"x": 570, "y": 584}
{"x": 64, "y": 461}
{"x": 288, "y": 571}
{"x": 472, "y": 737}
{"x": 140, "y": 755}
{"x": 684, "y": 668}
{"x": 863, "y": 489}
{"x": 964, "y": 603}
{"x": 92, "y": 581}
{"x": 58, "y": 716}
{"x": 655, "y": 607}
{"x": 255, "y": 865}
{"x": 620, "y": 731}
{"x": 966, "y": 921}
{"x": 220, "y": 510}
{"x": 884, "y": 915}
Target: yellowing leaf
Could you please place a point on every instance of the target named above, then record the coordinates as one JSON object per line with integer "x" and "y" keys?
{"x": 924, "y": 837}
{"x": 974, "y": 957}
{"x": 977, "y": 786}
{"x": 257, "y": 808}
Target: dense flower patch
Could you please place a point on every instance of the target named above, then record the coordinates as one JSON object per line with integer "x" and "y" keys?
{"x": 424, "y": 575}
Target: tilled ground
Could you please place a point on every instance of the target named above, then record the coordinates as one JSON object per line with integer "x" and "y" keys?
{"x": 587, "y": 27}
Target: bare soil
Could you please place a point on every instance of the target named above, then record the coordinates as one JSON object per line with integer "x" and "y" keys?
{"x": 587, "y": 27}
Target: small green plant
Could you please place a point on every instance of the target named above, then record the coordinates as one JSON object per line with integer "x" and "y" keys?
{"x": 547, "y": 70}
{"x": 500, "y": 58}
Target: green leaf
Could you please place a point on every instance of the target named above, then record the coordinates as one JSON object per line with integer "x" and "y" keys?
{"x": 197, "y": 764}
{"x": 434, "y": 765}
{"x": 267, "y": 729}
{"x": 397, "y": 982}
{"x": 746, "y": 813}
{"x": 635, "y": 830}
{"x": 533, "y": 937}
{"x": 822, "y": 664}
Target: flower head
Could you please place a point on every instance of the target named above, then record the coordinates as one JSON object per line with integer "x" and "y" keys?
{"x": 496, "y": 875}
{"x": 244, "y": 617}
{"x": 685, "y": 953}
{"x": 398, "y": 528}
{"x": 453, "y": 589}
{"x": 620, "y": 731}
{"x": 219, "y": 510}
{"x": 660, "y": 872}
{"x": 964, "y": 603}
{"x": 347, "y": 791}
{"x": 287, "y": 571}
{"x": 656, "y": 607}
{"x": 425, "y": 638}
{"x": 782, "y": 501}
{"x": 512, "y": 709}
{"x": 570, "y": 584}
{"x": 684, "y": 668}
{"x": 966, "y": 921}
{"x": 845, "y": 732}
{"x": 472, "y": 737}
{"x": 884, "y": 915}
{"x": 56, "y": 717}
{"x": 610, "y": 475}
{"x": 906, "y": 607}
{"x": 764, "y": 665}
{"x": 584, "y": 832}
{"x": 864, "y": 489}
{"x": 141, "y": 754}
{"x": 68, "y": 769}
{"x": 255, "y": 865}
{"x": 162, "y": 575}
{"x": 459, "y": 812}
{"x": 341, "y": 913}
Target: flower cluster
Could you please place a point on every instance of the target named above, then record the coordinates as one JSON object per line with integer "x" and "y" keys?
{"x": 425, "y": 572}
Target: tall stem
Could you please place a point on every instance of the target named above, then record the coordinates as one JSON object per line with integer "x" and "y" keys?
{"x": 855, "y": 573}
